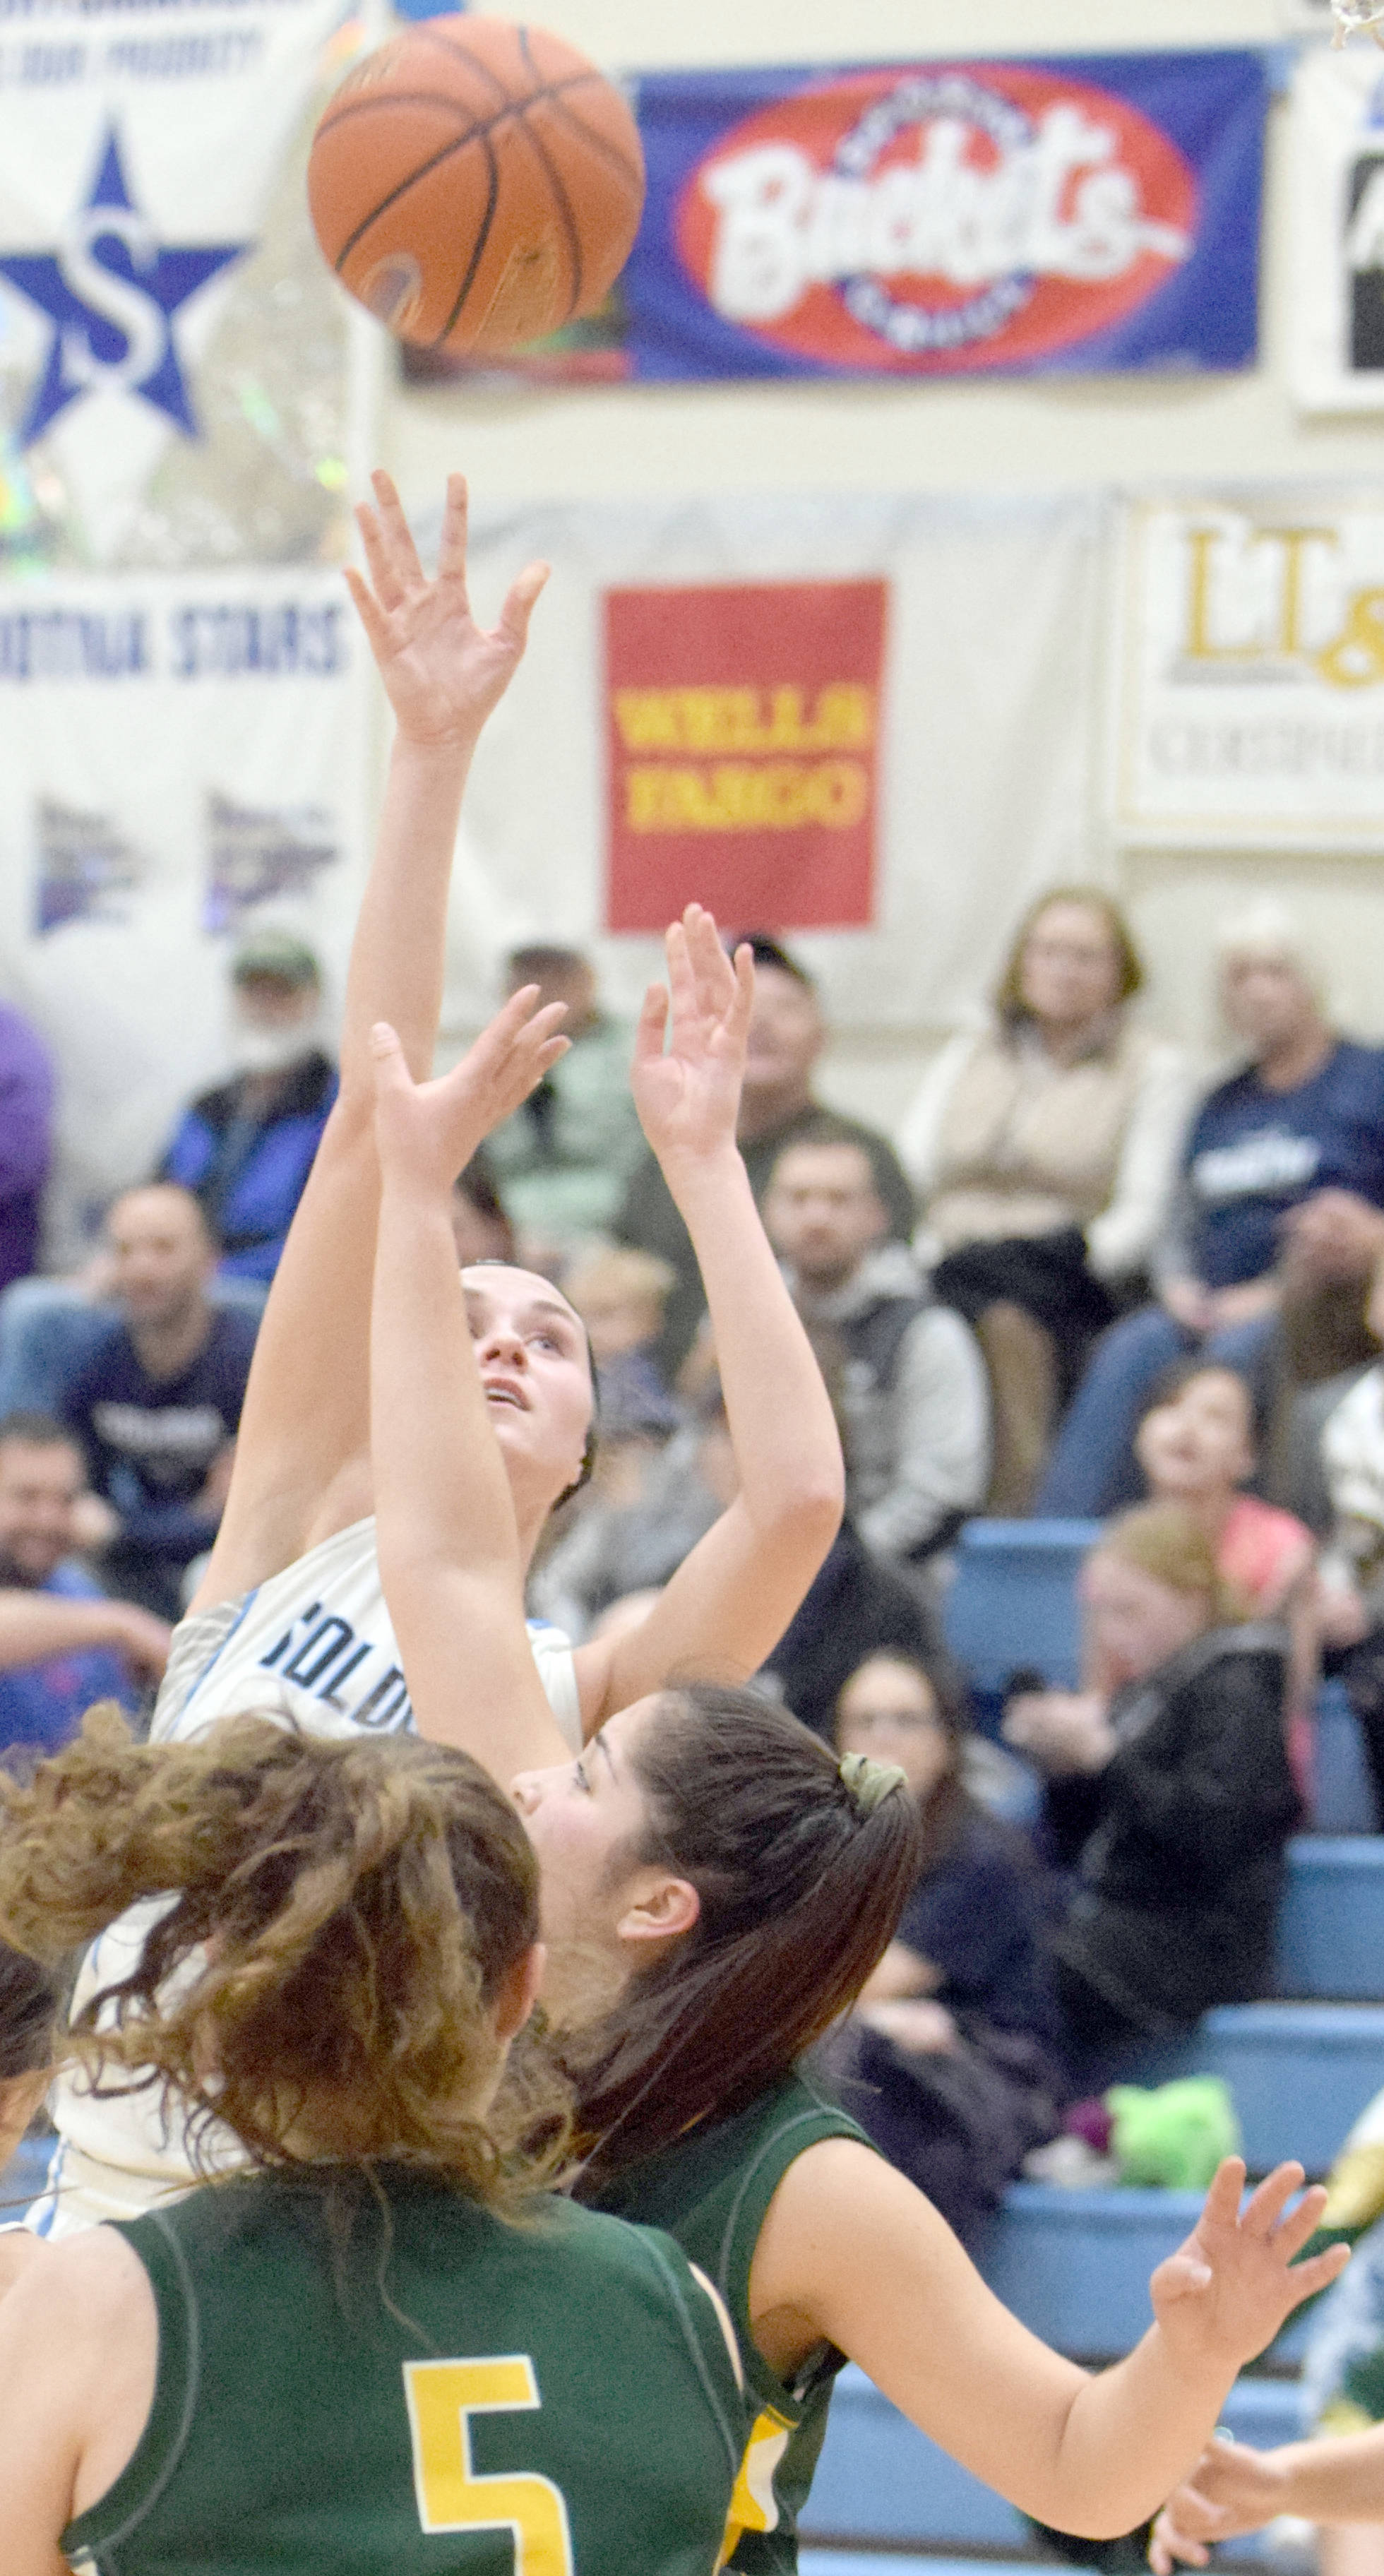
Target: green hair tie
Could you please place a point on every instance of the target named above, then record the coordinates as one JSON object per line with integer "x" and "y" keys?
{"x": 870, "y": 1783}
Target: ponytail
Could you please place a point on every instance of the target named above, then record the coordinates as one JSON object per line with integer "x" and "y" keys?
{"x": 801, "y": 1883}
{"x": 338, "y": 1916}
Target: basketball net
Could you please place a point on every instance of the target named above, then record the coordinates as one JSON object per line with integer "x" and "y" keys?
{"x": 1350, "y": 14}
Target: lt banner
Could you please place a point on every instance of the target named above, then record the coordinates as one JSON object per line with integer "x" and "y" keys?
{"x": 1252, "y": 672}
{"x": 869, "y": 721}
{"x": 1337, "y": 238}
{"x": 182, "y": 757}
{"x": 1080, "y": 213}
{"x": 180, "y": 376}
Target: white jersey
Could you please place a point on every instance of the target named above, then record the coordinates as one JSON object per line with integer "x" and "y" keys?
{"x": 314, "y": 1645}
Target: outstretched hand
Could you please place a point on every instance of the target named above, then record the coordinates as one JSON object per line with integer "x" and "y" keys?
{"x": 688, "y": 1098}
{"x": 428, "y": 1131}
{"x": 1232, "y": 2490}
{"x": 442, "y": 672}
{"x": 1224, "y": 2294}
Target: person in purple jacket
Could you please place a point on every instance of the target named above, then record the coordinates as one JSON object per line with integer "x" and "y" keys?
{"x": 26, "y": 1119}
{"x": 245, "y": 1149}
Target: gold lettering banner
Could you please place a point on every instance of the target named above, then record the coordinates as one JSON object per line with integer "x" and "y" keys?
{"x": 1251, "y": 700}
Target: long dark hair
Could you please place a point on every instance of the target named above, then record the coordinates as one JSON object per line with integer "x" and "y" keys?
{"x": 800, "y": 1890}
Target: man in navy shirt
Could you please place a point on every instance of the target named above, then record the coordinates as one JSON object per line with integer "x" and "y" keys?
{"x": 156, "y": 1405}
{"x": 63, "y": 1644}
{"x": 1283, "y": 1193}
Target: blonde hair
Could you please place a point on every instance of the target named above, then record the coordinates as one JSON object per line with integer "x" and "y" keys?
{"x": 1168, "y": 1543}
{"x": 1129, "y": 970}
{"x": 619, "y": 1272}
{"x": 342, "y": 1915}
{"x": 1268, "y": 928}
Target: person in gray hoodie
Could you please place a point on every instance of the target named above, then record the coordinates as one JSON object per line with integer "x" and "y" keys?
{"x": 912, "y": 1383}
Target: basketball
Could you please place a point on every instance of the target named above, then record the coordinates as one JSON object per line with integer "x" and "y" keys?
{"x": 476, "y": 184}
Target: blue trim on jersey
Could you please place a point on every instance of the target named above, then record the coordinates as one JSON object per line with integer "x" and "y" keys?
{"x": 214, "y": 1659}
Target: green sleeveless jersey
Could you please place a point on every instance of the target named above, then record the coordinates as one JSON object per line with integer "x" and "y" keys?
{"x": 429, "y": 2392}
{"x": 712, "y": 2191}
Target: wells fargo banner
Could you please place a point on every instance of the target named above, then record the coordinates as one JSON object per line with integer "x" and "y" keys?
{"x": 742, "y": 728}
{"x": 1336, "y": 241}
{"x": 1087, "y": 213}
{"x": 868, "y": 720}
{"x": 183, "y": 758}
{"x": 1252, "y": 671}
{"x": 180, "y": 376}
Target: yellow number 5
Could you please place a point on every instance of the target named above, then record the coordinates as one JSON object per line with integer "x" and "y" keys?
{"x": 442, "y": 2398}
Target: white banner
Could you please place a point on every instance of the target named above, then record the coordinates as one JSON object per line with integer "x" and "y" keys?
{"x": 988, "y": 743}
{"x": 1336, "y": 244}
{"x": 179, "y": 758}
{"x": 180, "y": 376}
{"x": 1251, "y": 701}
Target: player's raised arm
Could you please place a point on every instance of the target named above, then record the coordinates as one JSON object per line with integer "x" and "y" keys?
{"x": 852, "y": 2251}
{"x": 452, "y": 1562}
{"x": 730, "y": 1601}
{"x": 305, "y": 1420}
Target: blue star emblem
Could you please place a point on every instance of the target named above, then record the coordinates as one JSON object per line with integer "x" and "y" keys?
{"x": 111, "y": 290}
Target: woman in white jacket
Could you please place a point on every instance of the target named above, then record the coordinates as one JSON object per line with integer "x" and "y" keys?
{"x": 1043, "y": 1146}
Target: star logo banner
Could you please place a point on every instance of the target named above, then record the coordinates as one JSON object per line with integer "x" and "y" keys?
{"x": 177, "y": 369}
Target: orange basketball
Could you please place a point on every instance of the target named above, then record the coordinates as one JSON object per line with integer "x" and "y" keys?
{"x": 476, "y": 184}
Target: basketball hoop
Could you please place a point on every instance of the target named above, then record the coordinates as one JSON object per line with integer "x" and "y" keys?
{"x": 1350, "y": 14}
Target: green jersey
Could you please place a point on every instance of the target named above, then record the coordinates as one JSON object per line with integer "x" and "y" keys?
{"x": 712, "y": 2189}
{"x": 429, "y": 2391}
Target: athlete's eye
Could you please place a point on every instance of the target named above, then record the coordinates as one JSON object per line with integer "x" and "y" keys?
{"x": 580, "y": 1779}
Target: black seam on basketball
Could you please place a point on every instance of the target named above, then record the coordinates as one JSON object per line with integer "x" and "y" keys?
{"x": 478, "y": 253}
{"x": 332, "y": 117}
{"x": 463, "y": 53}
{"x": 600, "y": 143}
{"x": 479, "y": 132}
{"x": 561, "y": 200}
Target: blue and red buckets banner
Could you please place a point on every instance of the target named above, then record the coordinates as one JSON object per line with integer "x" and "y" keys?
{"x": 1084, "y": 213}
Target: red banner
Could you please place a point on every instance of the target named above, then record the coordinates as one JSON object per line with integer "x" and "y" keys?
{"x": 742, "y": 728}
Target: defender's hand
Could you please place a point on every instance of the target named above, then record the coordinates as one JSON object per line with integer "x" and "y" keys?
{"x": 429, "y": 1130}
{"x": 689, "y": 1098}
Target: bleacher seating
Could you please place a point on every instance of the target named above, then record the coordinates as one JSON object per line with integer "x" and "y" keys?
{"x": 1075, "y": 2265}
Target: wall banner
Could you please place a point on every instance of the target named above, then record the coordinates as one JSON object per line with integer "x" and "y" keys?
{"x": 1079, "y": 213}
{"x": 183, "y": 756}
{"x": 1337, "y": 243}
{"x": 179, "y": 372}
{"x": 1252, "y": 672}
{"x": 869, "y": 720}
{"x": 742, "y": 723}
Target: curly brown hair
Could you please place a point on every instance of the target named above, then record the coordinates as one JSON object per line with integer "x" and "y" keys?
{"x": 339, "y": 1917}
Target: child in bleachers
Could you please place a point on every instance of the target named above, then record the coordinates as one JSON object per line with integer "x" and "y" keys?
{"x": 954, "y": 2041}
{"x": 1168, "y": 1796}
{"x": 620, "y": 1296}
{"x": 1195, "y": 1445}
{"x": 1352, "y": 1450}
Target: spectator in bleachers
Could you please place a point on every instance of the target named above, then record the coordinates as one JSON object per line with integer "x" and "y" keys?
{"x": 480, "y": 1219}
{"x": 914, "y": 1399}
{"x": 156, "y": 1406}
{"x": 650, "y": 1499}
{"x": 26, "y": 1118}
{"x": 63, "y": 1642}
{"x": 1195, "y": 1445}
{"x": 787, "y": 1035}
{"x": 1044, "y": 1150}
{"x": 1168, "y": 1795}
{"x": 1283, "y": 1187}
{"x": 563, "y": 1160}
{"x": 1352, "y": 1455}
{"x": 620, "y": 1296}
{"x": 245, "y": 1149}
{"x": 952, "y": 2052}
